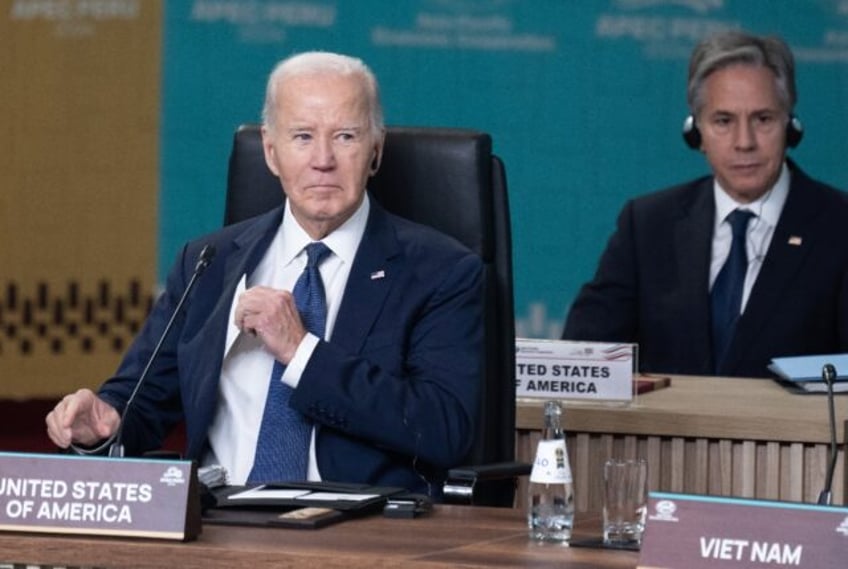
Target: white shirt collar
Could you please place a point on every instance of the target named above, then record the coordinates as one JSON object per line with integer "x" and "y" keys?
{"x": 343, "y": 242}
{"x": 767, "y": 207}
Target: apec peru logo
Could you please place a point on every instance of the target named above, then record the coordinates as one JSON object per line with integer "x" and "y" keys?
{"x": 664, "y": 511}
{"x": 172, "y": 477}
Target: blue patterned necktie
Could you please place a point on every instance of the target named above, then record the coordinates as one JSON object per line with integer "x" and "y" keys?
{"x": 726, "y": 296}
{"x": 282, "y": 449}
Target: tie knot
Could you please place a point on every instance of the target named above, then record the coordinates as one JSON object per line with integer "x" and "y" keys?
{"x": 738, "y": 220}
{"x": 315, "y": 253}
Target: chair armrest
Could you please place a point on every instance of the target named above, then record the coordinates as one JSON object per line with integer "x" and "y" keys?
{"x": 483, "y": 483}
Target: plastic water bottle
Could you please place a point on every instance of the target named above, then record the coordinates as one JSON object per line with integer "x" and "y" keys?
{"x": 550, "y": 497}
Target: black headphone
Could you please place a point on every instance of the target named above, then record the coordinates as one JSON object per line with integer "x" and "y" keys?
{"x": 692, "y": 136}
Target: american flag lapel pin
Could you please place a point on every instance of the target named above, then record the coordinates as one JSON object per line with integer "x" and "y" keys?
{"x": 378, "y": 275}
{"x": 795, "y": 240}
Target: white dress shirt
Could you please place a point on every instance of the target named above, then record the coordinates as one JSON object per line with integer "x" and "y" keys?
{"x": 766, "y": 212}
{"x": 247, "y": 365}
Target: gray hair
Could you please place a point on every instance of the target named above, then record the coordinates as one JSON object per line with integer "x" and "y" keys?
{"x": 734, "y": 47}
{"x": 319, "y": 62}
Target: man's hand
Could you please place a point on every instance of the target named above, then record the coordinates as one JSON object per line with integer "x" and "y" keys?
{"x": 272, "y": 316}
{"x": 83, "y": 418}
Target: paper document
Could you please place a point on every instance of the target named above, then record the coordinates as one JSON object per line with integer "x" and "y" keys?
{"x": 263, "y": 492}
{"x": 334, "y": 497}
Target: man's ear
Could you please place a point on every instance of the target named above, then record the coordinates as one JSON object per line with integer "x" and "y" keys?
{"x": 270, "y": 152}
{"x": 377, "y": 156}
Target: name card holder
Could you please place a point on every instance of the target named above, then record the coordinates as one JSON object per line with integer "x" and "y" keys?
{"x": 685, "y": 531}
{"x": 88, "y": 495}
{"x": 562, "y": 369}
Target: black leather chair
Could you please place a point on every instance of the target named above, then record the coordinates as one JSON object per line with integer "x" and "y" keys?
{"x": 448, "y": 179}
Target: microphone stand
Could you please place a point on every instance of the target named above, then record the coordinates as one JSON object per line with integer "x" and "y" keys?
{"x": 829, "y": 376}
{"x": 115, "y": 442}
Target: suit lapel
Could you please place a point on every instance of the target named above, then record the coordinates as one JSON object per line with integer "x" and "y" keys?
{"x": 372, "y": 275}
{"x": 693, "y": 244}
{"x": 247, "y": 250}
{"x": 200, "y": 386}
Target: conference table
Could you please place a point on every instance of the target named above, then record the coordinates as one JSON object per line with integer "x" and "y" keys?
{"x": 748, "y": 438}
{"x": 449, "y": 536}
{"x": 717, "y": 436}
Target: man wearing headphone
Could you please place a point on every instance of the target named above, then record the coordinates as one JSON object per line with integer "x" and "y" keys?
{"x": 719, "y": 275}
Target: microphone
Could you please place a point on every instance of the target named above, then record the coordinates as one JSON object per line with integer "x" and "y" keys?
{"x": 829, "y": 376}
{"x": 116, "y": 448}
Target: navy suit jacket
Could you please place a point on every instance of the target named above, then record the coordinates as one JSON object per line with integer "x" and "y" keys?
{"x": 393, "y": 394}
{"x": 652, "y": 283}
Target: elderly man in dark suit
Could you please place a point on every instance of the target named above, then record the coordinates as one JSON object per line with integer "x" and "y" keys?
{"x": 328, "y": 339}
{"x": 721, "y": 274}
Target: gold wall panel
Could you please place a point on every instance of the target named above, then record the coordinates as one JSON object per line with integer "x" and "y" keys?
{"x": 79, "y": 183}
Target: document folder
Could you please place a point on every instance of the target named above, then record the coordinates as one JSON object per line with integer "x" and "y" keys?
{"x": 803, "y": 374}
{"x": 296, "y": 504}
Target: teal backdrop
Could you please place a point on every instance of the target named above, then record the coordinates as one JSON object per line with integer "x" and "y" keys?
{"x": 584, "y": 101}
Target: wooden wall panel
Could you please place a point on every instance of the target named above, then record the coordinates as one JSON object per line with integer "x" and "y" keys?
{"x": 747, "y": 469}
{"x": 701, "y": 436}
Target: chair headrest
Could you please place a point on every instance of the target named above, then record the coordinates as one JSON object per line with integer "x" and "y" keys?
{"x": 436, "y": 176}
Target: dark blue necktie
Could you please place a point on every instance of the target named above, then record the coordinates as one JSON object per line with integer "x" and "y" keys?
{"x": 726, "y": 296}
{"x": 282, "y": 449}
